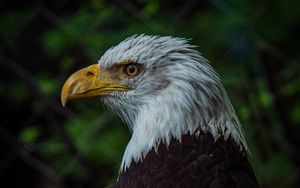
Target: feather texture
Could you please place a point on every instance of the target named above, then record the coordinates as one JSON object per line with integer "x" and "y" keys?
{"x": 197, "y": 161}
{"x": 185, "y": 132}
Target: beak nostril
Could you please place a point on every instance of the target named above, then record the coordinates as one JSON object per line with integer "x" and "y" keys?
{"x": 90, "y": 74}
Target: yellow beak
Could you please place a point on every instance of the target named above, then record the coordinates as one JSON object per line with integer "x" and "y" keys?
{"x": 89, "y": 82}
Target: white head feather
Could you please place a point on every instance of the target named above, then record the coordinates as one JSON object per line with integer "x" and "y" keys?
{"x": 177, "y": 93}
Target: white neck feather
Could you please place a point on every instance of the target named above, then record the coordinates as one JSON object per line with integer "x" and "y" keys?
{"x": 156, "y": 122}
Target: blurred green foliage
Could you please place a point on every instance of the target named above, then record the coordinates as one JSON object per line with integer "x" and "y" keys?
{"x": 253, "y": 45}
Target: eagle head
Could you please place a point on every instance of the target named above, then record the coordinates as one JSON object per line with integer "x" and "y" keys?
{"x": 162, "y": 88}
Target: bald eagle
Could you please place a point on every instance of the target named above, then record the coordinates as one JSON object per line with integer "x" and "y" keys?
{"x": 185, "y": 132}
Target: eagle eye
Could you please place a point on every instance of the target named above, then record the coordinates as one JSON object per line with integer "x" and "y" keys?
{"x": 132, "y": 69}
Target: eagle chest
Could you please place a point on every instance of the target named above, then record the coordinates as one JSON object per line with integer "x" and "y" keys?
{"x": 195, "y": 161}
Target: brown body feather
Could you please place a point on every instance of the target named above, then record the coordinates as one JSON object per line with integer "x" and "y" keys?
{"x": 197, "y": 161}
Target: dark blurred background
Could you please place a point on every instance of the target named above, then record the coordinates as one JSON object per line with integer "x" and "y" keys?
{"x": 253, "y": 45}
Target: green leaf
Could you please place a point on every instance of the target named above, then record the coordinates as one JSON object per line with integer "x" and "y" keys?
{"x": 265, "y": 97}
{"x": 29, "y": 135}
